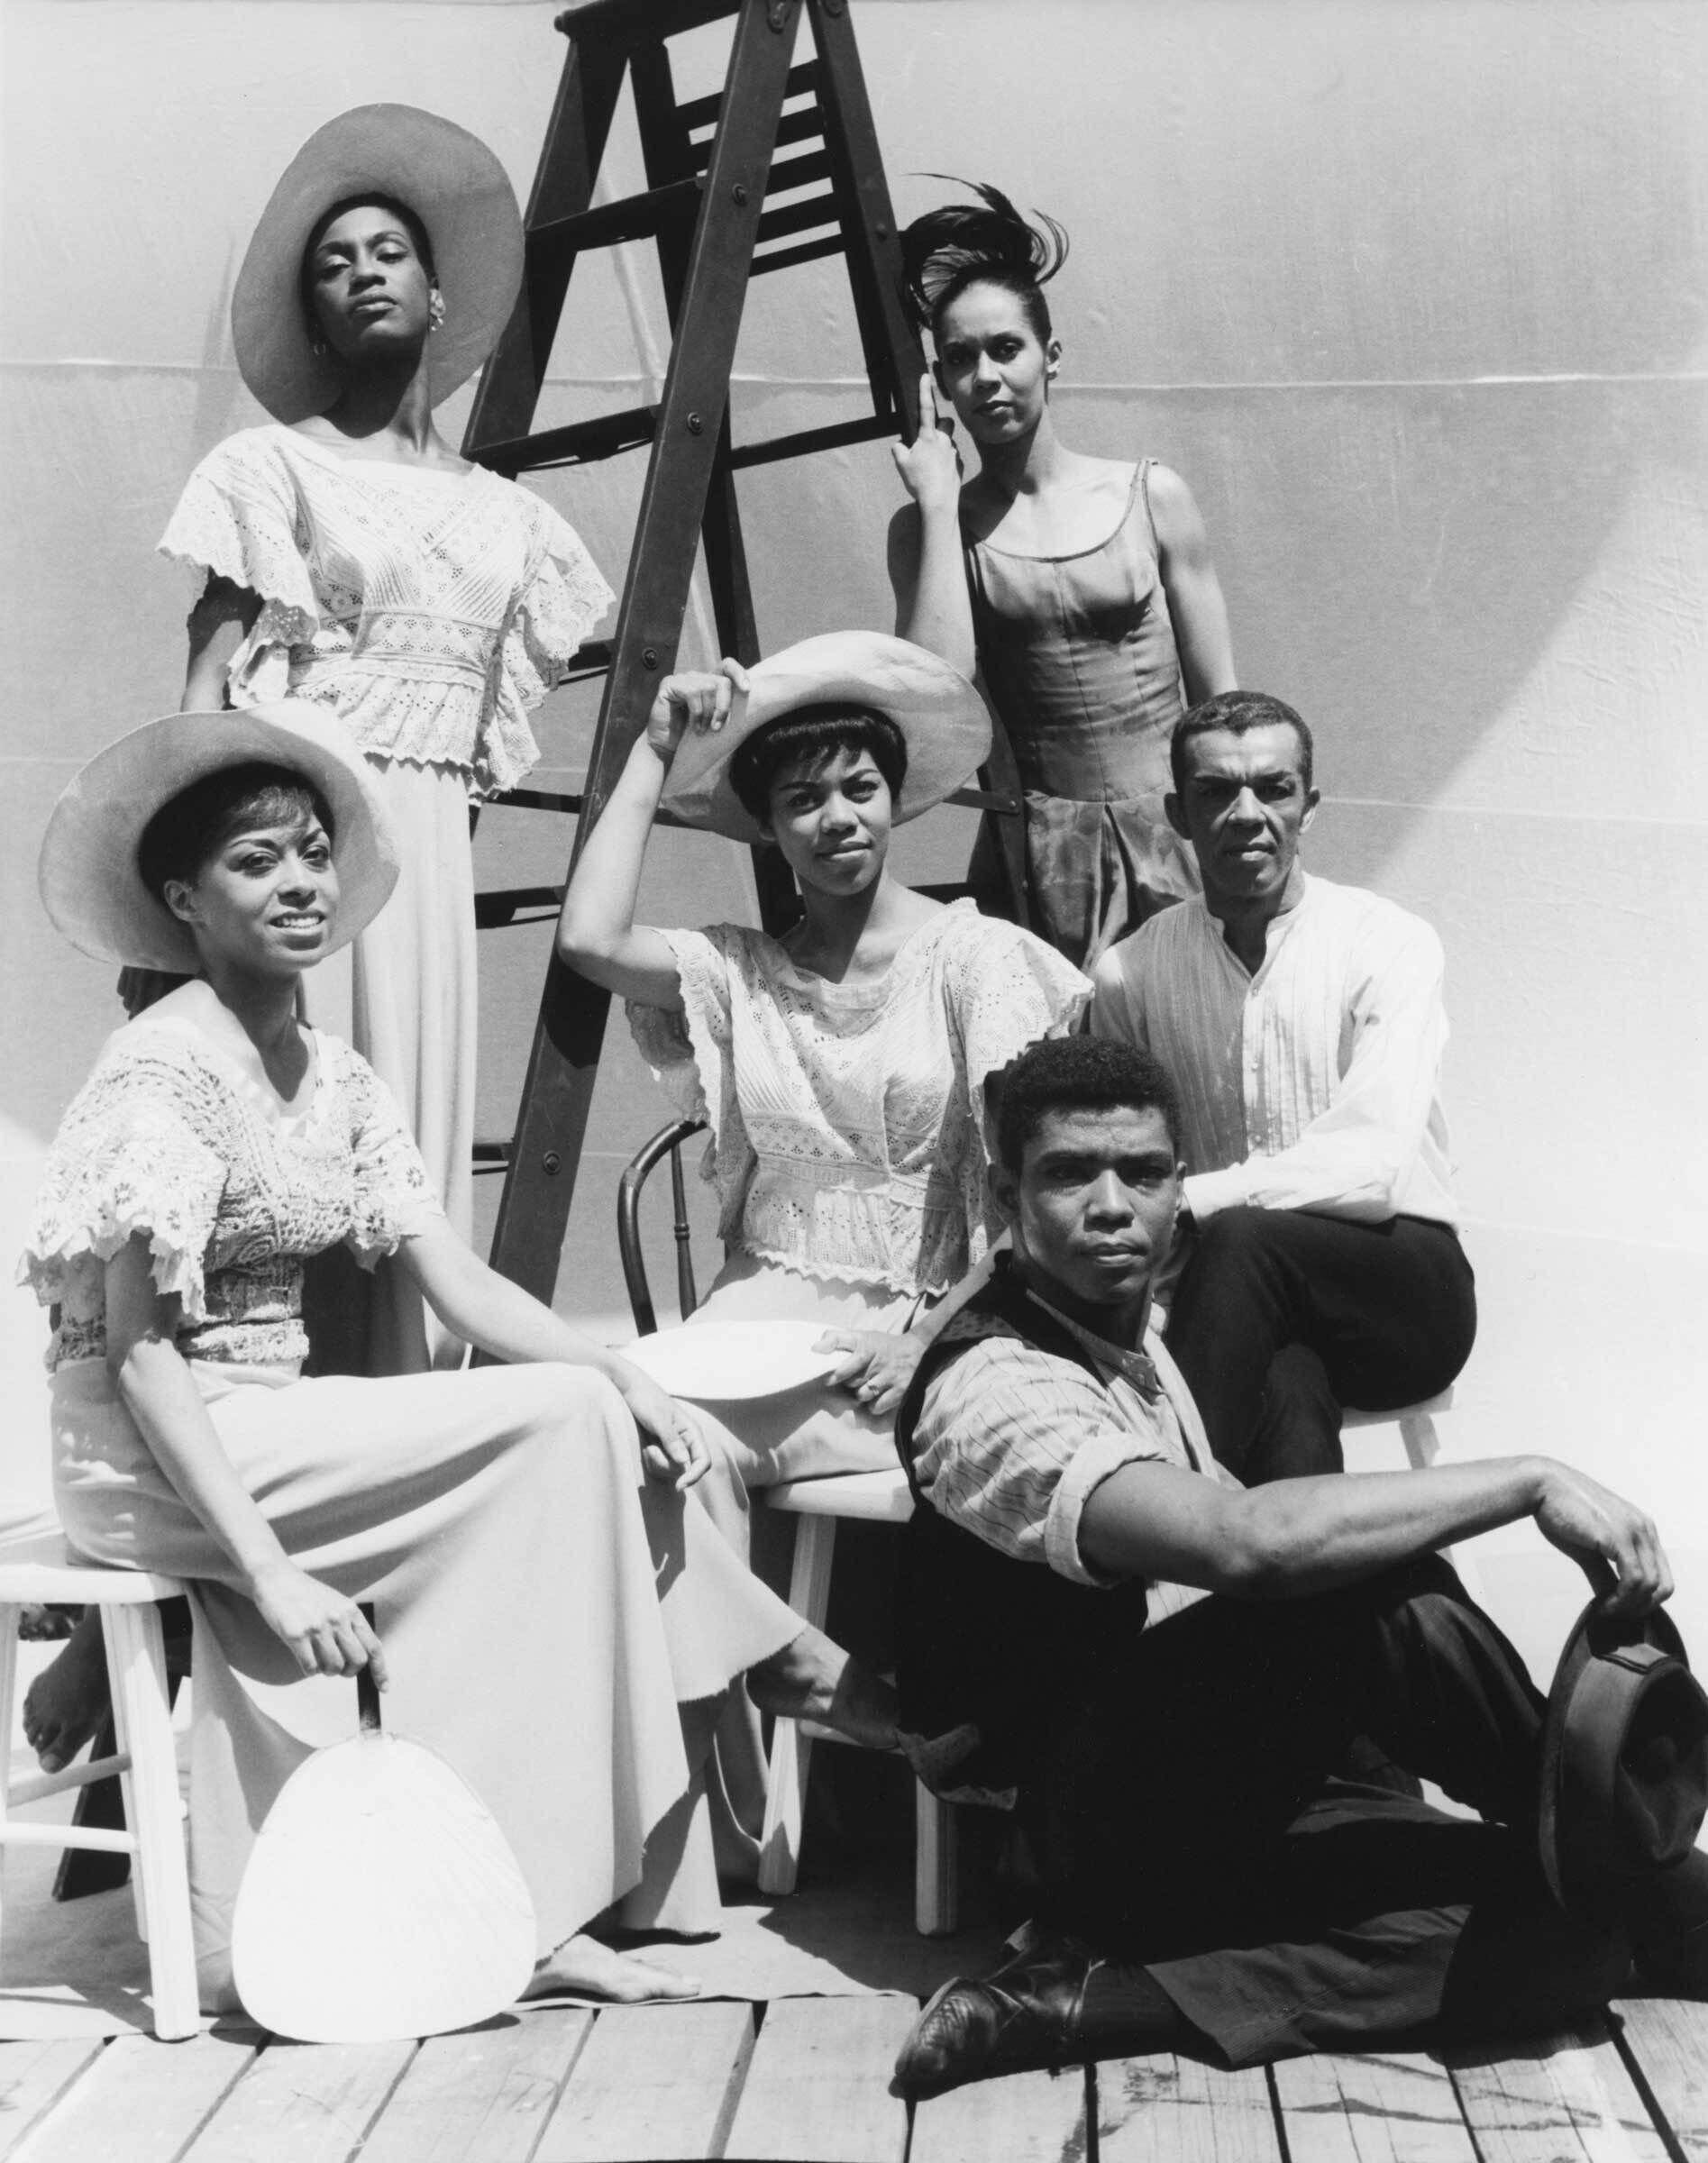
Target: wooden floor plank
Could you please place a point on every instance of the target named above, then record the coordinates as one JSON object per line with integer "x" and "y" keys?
{"x": 1569, "y": 2100}
{"x": 33, "y": 2076}
{"x": 302, "y": 2102}
{"x": 1668, "y": 2038}
{"x": 654, "y": 2081}
{"x": 1381, "y": 2107}
{"x": 483, "y": 2096}
{"x": 818, "y": 2084}
{"x": 1164, "y": 2109}
{"x": 141, "y": 2101}
{"x": 1040, "y": 2116}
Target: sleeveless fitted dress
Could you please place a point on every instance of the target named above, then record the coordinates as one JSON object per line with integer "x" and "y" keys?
{"x": 1078, "y": 656}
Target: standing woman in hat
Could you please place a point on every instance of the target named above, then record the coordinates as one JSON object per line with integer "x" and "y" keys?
{"x": 543, "y": 1605}
{"x": 347, "y": 555}
{"x": 1082, "y": 588}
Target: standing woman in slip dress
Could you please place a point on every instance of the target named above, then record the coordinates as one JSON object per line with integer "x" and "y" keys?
{"x": 347, "y": 555}
{"x": 1081, "y": 588}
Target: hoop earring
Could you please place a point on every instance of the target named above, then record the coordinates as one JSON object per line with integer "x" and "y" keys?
{"x": 318, "y": 345}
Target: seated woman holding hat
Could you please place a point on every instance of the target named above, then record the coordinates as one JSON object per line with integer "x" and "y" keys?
{"x": 842, "y": 1067}
{"x": 546, "y": 1596}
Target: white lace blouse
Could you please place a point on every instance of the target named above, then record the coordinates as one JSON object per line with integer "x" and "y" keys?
{"x": 432, "y": 610}
{"x": 170, "y": 1137}
{"x": 849, "y": 1119}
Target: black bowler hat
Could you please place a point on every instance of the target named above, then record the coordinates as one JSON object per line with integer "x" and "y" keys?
{"x": 1624, "y": 1759}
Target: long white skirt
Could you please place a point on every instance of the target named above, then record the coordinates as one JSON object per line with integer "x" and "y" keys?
{"x": 405, "y": 994}
{"x": 544, "y": 1609}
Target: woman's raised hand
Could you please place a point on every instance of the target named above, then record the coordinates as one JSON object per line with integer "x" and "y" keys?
{"x": 699, "y": 698}
{"x": 326, "y": 1633}
{"x": 930, "y": 465}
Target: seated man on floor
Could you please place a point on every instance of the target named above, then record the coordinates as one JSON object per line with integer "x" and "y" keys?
{"x": 1301, "y": 1022}
{"x": 1160, "y": 1671}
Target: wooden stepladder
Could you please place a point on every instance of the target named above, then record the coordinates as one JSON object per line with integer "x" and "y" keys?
{"x": 710, "y": 164}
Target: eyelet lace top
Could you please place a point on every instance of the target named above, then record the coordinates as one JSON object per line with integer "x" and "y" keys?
{"x": 849, "y": 1119}
{"x": 432, "y": 610}
{"x": 171, "y": 1138}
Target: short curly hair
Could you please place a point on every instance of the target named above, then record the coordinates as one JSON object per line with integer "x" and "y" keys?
{"x": 1237, "y": 712}
{"x": 1078, "y": 1074}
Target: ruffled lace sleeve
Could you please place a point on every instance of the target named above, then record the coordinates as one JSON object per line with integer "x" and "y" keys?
{"x": 394, "y": 1198}
{"x": 691, "y": 1054}
{"x": 136, "y": 1153}
{"x": 239, "y": 518}
{"x": 565, "y": 596}
{"x": 1005, "y": 989}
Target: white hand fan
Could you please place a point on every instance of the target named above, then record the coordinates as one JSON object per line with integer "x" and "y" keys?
{"x": 717, "y": 1361}
{"x": 381, "y": 1900}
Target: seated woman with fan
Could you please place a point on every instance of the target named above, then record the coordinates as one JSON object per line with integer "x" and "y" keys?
{"x": 545, "y": 1595}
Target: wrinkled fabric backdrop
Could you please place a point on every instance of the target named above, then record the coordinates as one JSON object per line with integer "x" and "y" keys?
{"x": 1412, "y": 293}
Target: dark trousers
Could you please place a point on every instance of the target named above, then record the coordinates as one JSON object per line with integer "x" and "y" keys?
{"x": 1162, "y": 1802}
{"x": 1282, "y": 1317}
{"x": 1190, "y": 1822}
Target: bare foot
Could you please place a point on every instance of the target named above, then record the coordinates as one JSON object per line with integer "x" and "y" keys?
{"x": 581, "y": 1968}
{"x": 66, "y": 1701}
{"x": 813, "y": 1679}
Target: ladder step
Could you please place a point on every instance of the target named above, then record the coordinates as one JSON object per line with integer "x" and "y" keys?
{"x": 798, "y": 172}
{"x": 832, "y": 438}
{"x": 552, "y": 799}
{"x": 591, "y": 660}
{"x": 492, "y": 1156}
{"x": 799, "y": 217}
{"x": 635, "y": 218}
{"x": 582, "y": 445}
{"x": 494, "y": 910}
{"x": 659, "y": 18}
{"x": 785, "y": 259}
{"x": 703, "y": 111}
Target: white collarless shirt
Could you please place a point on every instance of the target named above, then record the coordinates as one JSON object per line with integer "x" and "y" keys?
{"x": 1313, "y": 1084}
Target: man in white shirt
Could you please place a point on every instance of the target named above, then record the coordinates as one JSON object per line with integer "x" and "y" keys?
{"x": 1303, "y": 1024}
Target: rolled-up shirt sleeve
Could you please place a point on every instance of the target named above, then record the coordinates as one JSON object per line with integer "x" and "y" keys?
{"x": 1010, "y": 1443}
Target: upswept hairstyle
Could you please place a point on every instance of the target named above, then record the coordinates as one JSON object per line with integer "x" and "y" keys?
{"x": 965, "y": 244}
{"x": 191, "y": 827}
{"x": 810, "y": 736}
{"x": 1236, "y": 713}
{"x": 1078, "y": 1074}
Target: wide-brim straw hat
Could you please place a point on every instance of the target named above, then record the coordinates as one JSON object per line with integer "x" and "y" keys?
{"x": 1624, "y": 1782}
{"x": 90, "y": 884}
{"x": 941, "y": 720}
{"x": 463, "y": 197}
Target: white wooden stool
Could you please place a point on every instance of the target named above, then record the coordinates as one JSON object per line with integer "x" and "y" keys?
{"x": 42, "y": 1571}
{"x": 878, "y": 1498}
